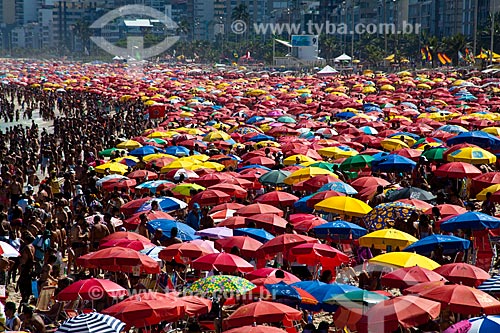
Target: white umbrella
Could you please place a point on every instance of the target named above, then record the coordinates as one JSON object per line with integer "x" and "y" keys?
{"x": 8, "y": 250}
{"x": 92, "y": 323}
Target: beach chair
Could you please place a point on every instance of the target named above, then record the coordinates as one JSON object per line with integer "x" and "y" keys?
{"x": 45, "y": 298}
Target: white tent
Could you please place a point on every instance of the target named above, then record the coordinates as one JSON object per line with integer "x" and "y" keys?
{"x": 343, "y": 57}
{"x": 327, "y": 71}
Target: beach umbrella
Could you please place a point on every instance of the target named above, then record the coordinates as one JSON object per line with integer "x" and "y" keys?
{"x": 260, "y": 313}
{"x": 132, "y": 222}
{"x": 283, "y": 291}
{"x": 356, "y": 162}
{"x": 255, "y": 329}
{"x": 323, "y": 293}
{"x": 410, "y": 193}
{"x": 406, "y": 277}
{"x": 154, "y": 185}
{"x": 271, "y": 272}
{"x": 107, "y": 178}
{"x": 419, "y": 204}
{"x": 363, "y": 182}
{"x": 183, "y": 250}
{"x": 478, "y": 138}
{"x": 315, "y": 183}
{"x": 490, "y": 189}
{"x": 113, "y": 167}
{"x": 423, "y": 287}
{"x": 344, "y": 206}
{"x": 385, "y": 214}
{"x": 404, "y": 311}
{"x": 347, "y": 317}
{"x": 129, "y": 144}
{"x": 222, "y": 262}
{"x": 472, "y": 155}
{"x": 283, "y": 243}
{"x": 93, "y": 322}
{"x": 257, "y": 234}
{"x": 143, "y": 151}
{"x": 125, "y": 235}
{"x": 274, "y": 178}
{"x": 210, "y": 198}
{"x": 230, "y": 189}
{"x": 131, "y": 244}
{"x": 8, "y": 251}
{"x": 434, "y": 154}
{"x": 91, "y": 289}
{"x": 463, "y": 273}
{"x": 470, "y": 220}
{"x": 215, "y": 233}
{"x": 167, "y": 204}
{"x": 393, "y": 144}
{"x": 116, "y": 259}
{"x": 258, "y": 208}
{"x": 447, "y": 210}
{"x": 387, "y": 238}
{"x": 269, "y": 222}
{"x": 221, "y": 284}
{"x": 393, "y": 163}
{"x": 305, "y": 174}
{"x": 108, "y": 152}
{"x": 339, "y": 228}
{"x": 184, "y": 232}
{"x": 484, "y": 324}
{"x": 404, "y": 259}
{"x": 338, "y": 187}
{"x": 119, "y": 184}
{"x": 450, "y": 245}
{"x": 312, "y": 253}
{"x": 457, "y": 170}
{"x": 362, "y": 299}
{"x": 463, "y": 299}
{"x": 277, "y": 198}
{"x": 246, "y": 245}
{"x": 491, "y": 285}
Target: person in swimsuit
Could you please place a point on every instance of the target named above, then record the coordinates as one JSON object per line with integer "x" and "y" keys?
{"x": 98, "y": 232}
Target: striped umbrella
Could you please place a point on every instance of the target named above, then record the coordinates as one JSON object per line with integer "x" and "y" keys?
{"x": 491, "y": 286}
{"x": 90, "y": 323}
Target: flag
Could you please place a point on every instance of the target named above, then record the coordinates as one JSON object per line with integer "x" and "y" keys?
{"x": 460, "y": 56}
{"x": 429, "y": 54}
{"x": 443, "y": 58}
{"x": 424, "y": 53}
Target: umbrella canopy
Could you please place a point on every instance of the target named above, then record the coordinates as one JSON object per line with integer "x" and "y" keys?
{"x": 93, "y": 322}
{"x": 274, "y": 178}
{"x": 384, "y": 238}
{"x": 260, "y": 313}
{"x": 210, "y": 198}
{"x": 258, "y": 208}
{"x": 491, "y": 285}
{"x": 339, "y": 228}
{"x": 184, "y": 232}
{"x": 404, "y": 259}
{"x": 357, "y": 299}
{"x": 457, "y": 170}
{"x": 343, "y": 205}
{"x": 410, "y": 193}
{"x": 277, "y": 198}
{"x": 270, "y": 272}
{"x": 463, "y": 299}
{"x": 393, "y": 163}
{"x": 183, "y": 250}
{"x": 120, "y": 259}
{"x": 220, "y": 284}
{"x": 470, "y": 220}
{"x": 282, "y": 290}
{"x": 283, "y": 243}
{"x": 484, "y": 324}
{"x": 255, "y": 329}
{"x": 409, "y": 276}
{"x": 258, "y": 234}
{"x": 405, "y": 311}
{"x": 246, "y": 245}
{"x": 462, "y": 273}
{"x": 472, "y": 155}
{"x": 324, "y": 292}
{"x": 91, "y": 289}
{"x": 222, "y": 262}
{"x": 450, "y": 244}
{"x": 312, "y": 253}
{"x": 347, "y": 317}
{"x": 385, "y": 214}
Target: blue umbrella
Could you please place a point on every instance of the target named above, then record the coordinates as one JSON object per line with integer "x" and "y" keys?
{"x": 478, "y": 138}
{"x": 167, "y": 204}
{"x": 261, "y": 137}
{"x": 345, "y": 115}
{"x": 368, "y": 130}
{"x": 301, "y": 204}
{"x": 410, "y": 104}
{"x": 283, "y": 290}
{"x": 177, "y": 151}
{"x": 257, "y": 234}
{"x": 379, "y": 156}
{"x": 339, "y": 228}
{"x": 485, "y": 324}
{"x": 255, "y": 119}
{"x": 185, "y": 232}
{"x": 452, "y": 129}
{"x": 308, "y": 284}
{"x": 143, "y": 151}
{"x": 470, "y": 220}
{"x": 450, "y": 244}
{"x": 152, "y": 185}
{"x": 393, "y": 163}
{"x": 339, "y": 187}
{"x": 491, "y": 286}
{"x": 253, "y": 166}
{"x": 323, "y": 293}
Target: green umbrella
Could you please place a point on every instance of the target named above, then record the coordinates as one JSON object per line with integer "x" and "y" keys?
{"x": 108, "y": 152}
{"x": 228, "y": 284}
{"x": 434, "y": 154}
{"x": 286, "y": 119}
{"x": 158, "y": 141}
{"x": 186, "y": 108}
{"x": 356, "y": 162}
{"x": 274, "y": 178}
{"x": 323, "y": 165}
{"x": 357, "y": 299}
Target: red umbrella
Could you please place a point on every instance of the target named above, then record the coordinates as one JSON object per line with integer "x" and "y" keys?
{"x": 463, "y": 273}
{"x": 409, "y": 276}
{"x": 306, "y": 225}
{"x": 143, "y": 175}
{"x": 230, "y": 189}
{"x": 246, "y": 184}
{"x": 146, "y": 311}
{"x": 132, "y": 206}
{"x": 126, "y": 243}
{"x": 344, "y": 317}
{"x": 464, "y": 299}
{"x": 283, "y": 243}
{"x": 258, "y": 208}
{"x": 183, "y": 250}
{"x": 256, "y": 329}
{"x": 422, "y": 205}
{"x": 132, "y": 222}
{"x": 457, "y": 170}
{"x": 278, "y": 199}
{"x": 363, "y": 182}
{"x": 260, "y": 313}
{"x": 412, "y": 154}
{"x": 405, "y": 311}
{"x": 484, "y": 180}
{"x": 212, "y": 179}
{"x": 423, "y": 287}
{"x": 196, "y": 306}
{"x": 234, "y": 222}
{"x": 225, "y": 206}
{"x": 90, "y": 290}
{"x": 125, "y": 235}
{"x": 260, "y": 160}
{"x": 119, "y": 184}
{"x": 447, "y": 210}
{"x": 270, "y": 272}
{"x": 301, "y": 216}
{"x": 269, "y": 222}
{"x": 222, "y": 262}
{"x": 312, "y": 253}
{"x": 315, "y": 183}
{"x": 247, "y": 245}
{"x": 210, "y": 198}
{"x": 121, "y": 259}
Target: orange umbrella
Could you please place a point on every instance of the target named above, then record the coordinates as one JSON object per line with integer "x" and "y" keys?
{"x": 260, "y": 313}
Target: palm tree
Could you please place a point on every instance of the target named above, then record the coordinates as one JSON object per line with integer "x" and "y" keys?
{"x": 82, "y": 31}
{"x": 183, "y": 28}
{"x": 454, "y": 44}
{"x": 240, "y": 13}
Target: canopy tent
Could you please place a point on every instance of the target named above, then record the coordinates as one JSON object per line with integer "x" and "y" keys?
{"x": 327, "y": 71}
{"x": 343, "y": 57}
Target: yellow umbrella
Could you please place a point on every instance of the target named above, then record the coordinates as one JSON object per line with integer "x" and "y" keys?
{"x": 383, "y": 238}
{"x": 424, "y": 86}
{"x": 305, "y": 174}
{"x": 114, "y": 168}
{"x": 196, "y": 158}
{"x": 297, "y": 159}
{"x": 129, "y": 144}
{"x": 151, "y": 157}
{"x": 406, "y": 139}
{"x": 393, "y": 144}
{"x": 262, "y": 144}
{"x": 387, "y": 87}
{"x": 492, "y": 130}
{"x": 216, "y": 136}
{"x": 344, "y": 206}
{"x": 337, "y": 152}
{"x": 208, "y": 165}
{"x": 369, "y": 90}
{"x": 490, "y": 189}
{"x": 404, "y": 259}
{"x": 175, "y": 165}
{"x": 472, "y": 155}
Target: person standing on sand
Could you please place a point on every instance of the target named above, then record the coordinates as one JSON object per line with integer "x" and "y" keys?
{"x": 98, "y": 232}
